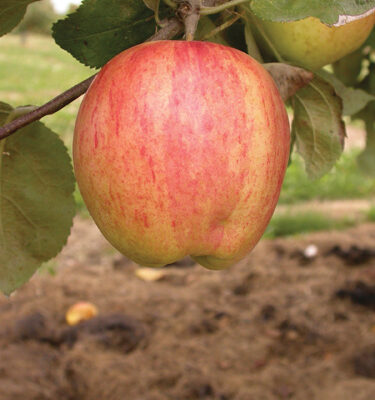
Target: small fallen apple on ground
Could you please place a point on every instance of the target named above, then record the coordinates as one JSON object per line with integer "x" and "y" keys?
{"x": 180, "y": 148}
{"x": 312, "y": 45}
{"x": 81, "y": 311}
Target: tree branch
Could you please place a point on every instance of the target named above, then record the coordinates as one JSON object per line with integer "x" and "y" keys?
{"x": 188, "y": 12}
{"x": 51, "y": 107}
{"x": 171, "y": 29}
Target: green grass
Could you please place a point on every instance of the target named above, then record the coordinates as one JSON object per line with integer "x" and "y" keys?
{"x": 345, "y": 181}
{"x": 48, "y": 268}
{"x": 35, "y": 73}
{"x": 371, "y": 214}
{"x": 293, "y": 224}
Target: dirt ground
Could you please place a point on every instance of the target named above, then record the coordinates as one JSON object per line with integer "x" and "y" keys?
{"x": 278, "y": 325}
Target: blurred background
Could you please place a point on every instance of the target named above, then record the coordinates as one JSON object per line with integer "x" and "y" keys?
{"x": 294, "y": 320}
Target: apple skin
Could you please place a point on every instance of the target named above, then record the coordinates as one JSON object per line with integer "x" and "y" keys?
{"x": 312, "y": 45}
{"x": 181, "y": 148}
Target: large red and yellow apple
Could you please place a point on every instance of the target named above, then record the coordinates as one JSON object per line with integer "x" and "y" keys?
{"x": 312, "y": 44}
{"x": 180, "y": 148}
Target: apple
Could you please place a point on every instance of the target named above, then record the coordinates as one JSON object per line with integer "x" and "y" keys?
{"x": 180, "y": 148}
{"x": 312, "y": 44}
{"x": 81, "y": 311}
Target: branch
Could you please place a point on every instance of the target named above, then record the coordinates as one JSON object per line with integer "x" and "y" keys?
{"x": 188, "y": 12}
{"x": 223, "y": 26}
{"x": 171, "y": 29}
{"x": 51, "y": 107}
{"x": 221, "y": 7}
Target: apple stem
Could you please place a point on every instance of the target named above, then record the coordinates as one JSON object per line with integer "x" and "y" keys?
{"x": 191, "y": 24}
{"x": 170, "y": 29}
{"x": 188, "y": 11}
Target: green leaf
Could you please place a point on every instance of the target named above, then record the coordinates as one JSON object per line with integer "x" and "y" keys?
{"x": 151, "y": 4}
{"x": 318, "y": 127}
{"x": 353, "y": 100}
{"x": 348, "y": 68}
{"x": 328, "y": 11}
{"x": 5, "y": 109}
{"x": 253, "y": 26}
{"x": 99, "y": 30}
{"x": 11, "y": 13}
{"x": 36, "y": 201}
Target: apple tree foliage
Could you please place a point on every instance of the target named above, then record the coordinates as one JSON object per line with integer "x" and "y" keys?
{"x": 36, "y": 177}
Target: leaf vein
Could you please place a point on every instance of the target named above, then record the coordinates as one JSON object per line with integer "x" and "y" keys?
{"x": 87, "y": 36}
{"x": 19, "y": 209}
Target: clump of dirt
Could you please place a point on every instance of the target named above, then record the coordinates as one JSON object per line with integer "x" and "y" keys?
{"x": 364, "y": 362}
{"x": 359, "y": 293}
{"x": 354, "y": 255}
{"x": 113, "y": 331}
{"x": 275, "y": 326}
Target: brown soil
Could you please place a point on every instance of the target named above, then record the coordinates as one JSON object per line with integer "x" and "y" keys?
{"x": 276, "y": 326}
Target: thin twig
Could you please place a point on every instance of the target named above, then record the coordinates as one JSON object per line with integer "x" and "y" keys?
{"x": 51, "y": 107}
{"x": 157, "y": 19}
{"x": 261, "y": 30}
{"x": 221, "y": 7}
{"x": 223, "y": 26}
{"x": 173, "y": 27}
{"x": 171, "y": 3}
